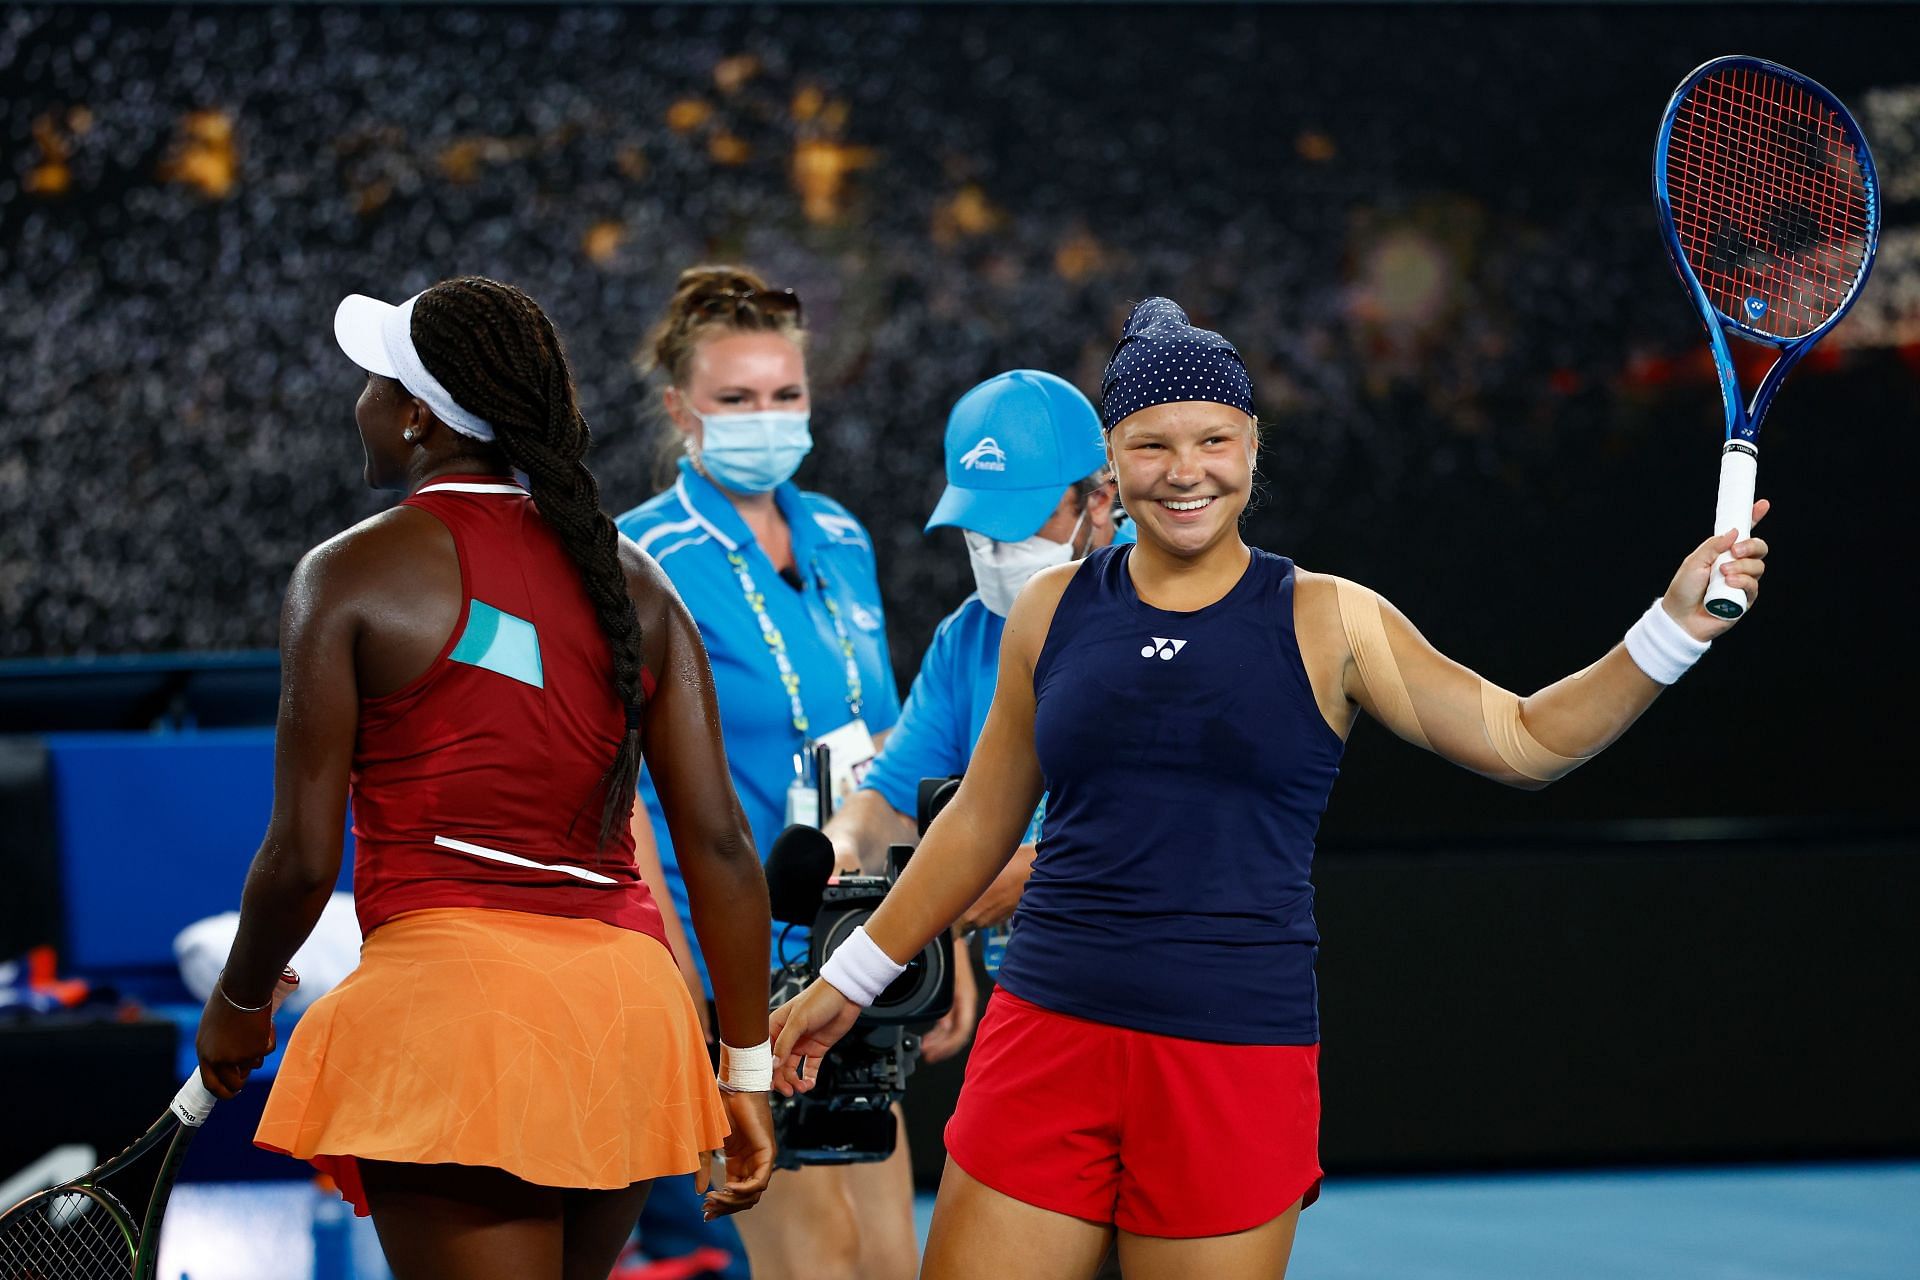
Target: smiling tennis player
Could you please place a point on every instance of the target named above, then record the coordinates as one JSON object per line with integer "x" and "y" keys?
{"x": 1184, "y": 704}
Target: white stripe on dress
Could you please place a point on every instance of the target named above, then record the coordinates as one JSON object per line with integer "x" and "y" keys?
{"x": 497, "y": 855}
{"x": 453, "y": 487}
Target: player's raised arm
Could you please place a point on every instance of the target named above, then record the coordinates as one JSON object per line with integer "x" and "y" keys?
{"x": 1401, "y": 680}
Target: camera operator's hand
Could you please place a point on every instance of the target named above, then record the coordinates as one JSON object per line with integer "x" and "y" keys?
{"x": 996, "y": 905}
{"x": 749, "y": 1156}
{"x": 951, "y": 1034}
{"x": 803, "y": 1029}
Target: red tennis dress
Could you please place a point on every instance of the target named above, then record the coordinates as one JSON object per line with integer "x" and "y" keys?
{"x": 515, "y": 1005}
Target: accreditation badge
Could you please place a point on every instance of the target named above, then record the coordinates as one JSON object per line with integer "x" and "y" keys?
{"x": 850, "y": 755}
{"x": 803, "y": 804}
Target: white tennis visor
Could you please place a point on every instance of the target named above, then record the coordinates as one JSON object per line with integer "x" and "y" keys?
{"x": 378, "y": 337}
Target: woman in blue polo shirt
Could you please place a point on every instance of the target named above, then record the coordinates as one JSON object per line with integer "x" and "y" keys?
{"x": 782, "y": 585}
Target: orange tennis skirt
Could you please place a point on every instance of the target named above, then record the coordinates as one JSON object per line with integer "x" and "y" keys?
{"x": 566, "y": 1052}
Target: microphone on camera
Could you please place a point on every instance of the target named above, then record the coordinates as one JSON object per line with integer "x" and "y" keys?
{"x": 798, "y": 868}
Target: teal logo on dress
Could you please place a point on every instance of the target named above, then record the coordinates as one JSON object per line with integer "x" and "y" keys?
{"x": 500, "y": 642}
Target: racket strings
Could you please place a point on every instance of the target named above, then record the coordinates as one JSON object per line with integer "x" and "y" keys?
{"x": 66, "y": 1235}
{"x": 1769, "y": 198}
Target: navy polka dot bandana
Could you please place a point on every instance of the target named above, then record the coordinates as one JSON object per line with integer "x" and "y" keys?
{"x": 1162, "y": 358}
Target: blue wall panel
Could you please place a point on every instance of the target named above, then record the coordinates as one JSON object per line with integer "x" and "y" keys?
{"x": 156, "y": 831}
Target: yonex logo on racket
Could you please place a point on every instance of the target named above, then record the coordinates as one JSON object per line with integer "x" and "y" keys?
{"x": 1162, "y": 648}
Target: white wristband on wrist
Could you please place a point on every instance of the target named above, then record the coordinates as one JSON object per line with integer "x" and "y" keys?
{"x": 746, "y": 1070}
{"x": 859, "y": 970}
{"x": 1661, "y": 647}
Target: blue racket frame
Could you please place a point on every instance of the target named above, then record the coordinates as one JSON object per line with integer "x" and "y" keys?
{"x": 1743, "y": 420}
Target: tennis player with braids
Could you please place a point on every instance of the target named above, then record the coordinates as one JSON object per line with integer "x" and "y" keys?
{"x": 482, "y": 668}
{"x": 1184, "y": 704}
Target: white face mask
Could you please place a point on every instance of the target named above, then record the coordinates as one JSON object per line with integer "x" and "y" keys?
{"x": 1000, "y": 569}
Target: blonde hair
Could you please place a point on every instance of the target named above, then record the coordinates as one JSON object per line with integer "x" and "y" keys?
{"x": 698, "y": 311}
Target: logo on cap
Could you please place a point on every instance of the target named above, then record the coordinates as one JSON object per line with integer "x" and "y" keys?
{"x": 985, "y": 456}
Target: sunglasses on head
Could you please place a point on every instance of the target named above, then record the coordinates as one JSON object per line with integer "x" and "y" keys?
{"x": 773, "y": 303}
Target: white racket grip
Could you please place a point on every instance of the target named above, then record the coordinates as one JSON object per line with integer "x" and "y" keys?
{"x": 194, "y": 1102}
{"x": 1739, "y": 462}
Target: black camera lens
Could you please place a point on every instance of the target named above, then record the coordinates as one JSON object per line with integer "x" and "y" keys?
{"x": 914, "y": 988}
{"x": 923, "y": 993}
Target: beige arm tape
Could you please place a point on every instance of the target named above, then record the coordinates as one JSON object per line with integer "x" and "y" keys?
{"x": 1520, "y": 749}
{"x": 1373, "y": 658}
{"x": 1379, "y": 672}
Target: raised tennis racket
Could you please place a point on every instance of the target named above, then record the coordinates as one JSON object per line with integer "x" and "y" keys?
{"x": 82, "y": 1229}
{"x": 1771, "y": 213}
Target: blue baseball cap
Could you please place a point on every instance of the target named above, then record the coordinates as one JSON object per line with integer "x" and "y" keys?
{"x": 1013, "y": 443}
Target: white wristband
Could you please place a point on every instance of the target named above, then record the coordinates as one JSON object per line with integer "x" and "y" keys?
{"x": 859, "y": 970}
{"x": 1661, "y": 647}
{"x": 746, "y": 1070}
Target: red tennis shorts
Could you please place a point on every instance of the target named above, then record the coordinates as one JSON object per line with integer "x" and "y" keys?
{"x": 1158, "y": 1135}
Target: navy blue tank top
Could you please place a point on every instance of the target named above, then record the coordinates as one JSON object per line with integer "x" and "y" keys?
{"x": 1187, "y": 766}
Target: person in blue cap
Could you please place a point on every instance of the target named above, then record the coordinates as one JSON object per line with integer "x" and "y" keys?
{"x": 1146, "y": 1077}
{"x": 1028, "y": 485}
{"x": 782, "y": 584}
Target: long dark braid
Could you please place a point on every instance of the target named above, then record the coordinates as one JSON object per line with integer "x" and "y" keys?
{"x": 496, "y": 353}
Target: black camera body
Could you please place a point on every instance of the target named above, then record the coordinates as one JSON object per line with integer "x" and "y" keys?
{"x": 847, "y": 1117}
{"x": 919, "y": 997}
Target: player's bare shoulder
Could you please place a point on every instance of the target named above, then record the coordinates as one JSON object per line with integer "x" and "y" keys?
{"x": 399, "y": 553}
{"x": 1316, "y": 603}
{"x": 1032, "y": 614}
{"x": 652, "y": 590}
{"x": 1322, "y": 638}
{"x": 666, "y": 627}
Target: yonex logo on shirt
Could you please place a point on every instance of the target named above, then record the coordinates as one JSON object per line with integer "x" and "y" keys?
{"x": 985, "y": 456}
{"x": 1163, "y": 648}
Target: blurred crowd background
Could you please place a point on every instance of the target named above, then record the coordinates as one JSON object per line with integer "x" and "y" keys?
{"x": 1428, "y": 229}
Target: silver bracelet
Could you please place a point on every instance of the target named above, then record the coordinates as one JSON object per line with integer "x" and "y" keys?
{"x": 220, "y": 985}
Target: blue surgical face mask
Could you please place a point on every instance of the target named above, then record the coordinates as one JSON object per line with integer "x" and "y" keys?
{"x": 753, "y": 452}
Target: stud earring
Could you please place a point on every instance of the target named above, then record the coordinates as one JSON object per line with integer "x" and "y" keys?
{"x": 410, "y": 435}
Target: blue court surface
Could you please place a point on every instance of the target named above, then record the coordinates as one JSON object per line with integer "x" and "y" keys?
{"x": 1793, "y": 1222}
{"x": 1800, "y": 1222}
